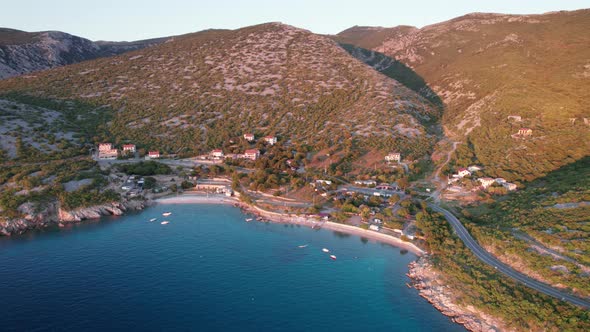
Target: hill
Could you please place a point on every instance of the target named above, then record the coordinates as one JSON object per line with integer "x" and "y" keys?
{"x": 24, "y": 52}
{"x": 200, "y": 91}
{"x": 487, "y": 67}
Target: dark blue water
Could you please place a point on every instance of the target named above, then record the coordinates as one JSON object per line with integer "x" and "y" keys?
{"x": 208, "y": 270}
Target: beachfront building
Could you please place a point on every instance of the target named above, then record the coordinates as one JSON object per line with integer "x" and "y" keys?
{"x": 217, "y": 154}
{"x": 252, "y": 154}
{"x": 129, "y": 148}
{"x": 272, "y": 140}
{"x": 249, "y": 137}
{"x": 393, "y": 156}
{"x": 106, "y": 151}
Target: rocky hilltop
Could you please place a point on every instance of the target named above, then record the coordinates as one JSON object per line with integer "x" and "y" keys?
{"x": 24, "y": 52}
{"x": 498, "y": 73}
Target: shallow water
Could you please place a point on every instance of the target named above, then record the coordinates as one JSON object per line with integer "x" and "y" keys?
{"x": 207, "y": 270}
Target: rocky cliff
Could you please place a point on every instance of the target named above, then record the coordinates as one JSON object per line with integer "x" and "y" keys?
{"x": 54, "y": 215}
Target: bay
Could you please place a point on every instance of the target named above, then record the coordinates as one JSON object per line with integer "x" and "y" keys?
{"x": 207, "y": 270}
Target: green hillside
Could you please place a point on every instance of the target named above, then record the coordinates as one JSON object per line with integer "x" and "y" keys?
{"x": 486, "y": 67}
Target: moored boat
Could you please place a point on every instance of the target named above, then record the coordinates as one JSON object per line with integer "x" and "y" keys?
{"x": 302, "y": 246}
{"x": 325, "y": 250}
{"x": 333, "y": 257}
{"x": 153, "y": 219}
{"x": 166, "y": 214}
{"x": 249, "y": 219}
{"x": 165, "y": 222}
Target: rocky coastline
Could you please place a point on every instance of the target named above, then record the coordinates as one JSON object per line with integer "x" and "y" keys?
{"x": 53, "y": 214}
{"x": 428, "y": 281}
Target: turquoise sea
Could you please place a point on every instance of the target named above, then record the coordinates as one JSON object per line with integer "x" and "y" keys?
{"x": 207, "y": 270}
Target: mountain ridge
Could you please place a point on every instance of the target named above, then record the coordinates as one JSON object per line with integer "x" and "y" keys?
{"x": 24, "y": 52}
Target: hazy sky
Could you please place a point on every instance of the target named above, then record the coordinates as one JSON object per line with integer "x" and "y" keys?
{"x": 139, "y": 19}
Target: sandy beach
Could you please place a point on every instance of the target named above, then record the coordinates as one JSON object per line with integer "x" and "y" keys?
{"x": 193, "y": 198}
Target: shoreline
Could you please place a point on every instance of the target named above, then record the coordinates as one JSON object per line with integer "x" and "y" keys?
{"x": 291, "y": 219}
{"x": 424, "y": 278}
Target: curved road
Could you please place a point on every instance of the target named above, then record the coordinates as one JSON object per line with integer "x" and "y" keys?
{"x": 489, "y": 259}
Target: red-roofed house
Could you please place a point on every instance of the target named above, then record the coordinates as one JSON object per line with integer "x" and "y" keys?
{"x": 270, "y": 140}
{"x": 252, "y": 154}
{"x": 217, "y": 154}
{"x": 154, "y": 154}
{"x": 129, "y": 148}
{"x": 462, "y": 172}
{"x": 249, "y": 137}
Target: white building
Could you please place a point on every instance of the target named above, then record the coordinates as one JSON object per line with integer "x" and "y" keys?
{"x": 272, "y": 140}
{"x": 486, "y": 182}
{"x": 217, "y": 154}
{"x": 393, "y": 156}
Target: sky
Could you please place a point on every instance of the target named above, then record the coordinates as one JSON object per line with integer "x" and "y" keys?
{"x": 119, "y": 20}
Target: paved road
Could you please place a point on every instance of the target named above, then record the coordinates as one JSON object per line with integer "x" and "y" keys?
{"x": 487, "y": 258}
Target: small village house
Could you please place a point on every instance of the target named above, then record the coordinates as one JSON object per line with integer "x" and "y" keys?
{"x": 272, "y": 140}
{"x": 463, "y": 172}
{"x": 486, "y": 182}
{"x": 154, "y": 154}
{"x": 217, "y": 154}
{"x": 129, "y": 148}
{"x": 252, "y": 154}
{"x": 393, "y": 156}
{"x": 106, "y": 151}
{"x": 249, "y": 137}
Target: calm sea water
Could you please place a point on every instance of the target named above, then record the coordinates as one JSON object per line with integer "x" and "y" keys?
{"x": 208, "y": 270}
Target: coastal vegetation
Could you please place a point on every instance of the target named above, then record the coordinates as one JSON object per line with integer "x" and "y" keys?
{"x": 474, "y": 283}
{"x": 543, "y": 228}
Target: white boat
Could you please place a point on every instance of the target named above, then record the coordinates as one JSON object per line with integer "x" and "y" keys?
{"x": 333, "y": 257}
{"x": 166, "y": 214}
{"x": 249, "y": 219}
{"x": 325, "y": 250}
{"x": 302, "y": 246}
{"x": 164, "y": 222}
{"x": 153, "y": 219}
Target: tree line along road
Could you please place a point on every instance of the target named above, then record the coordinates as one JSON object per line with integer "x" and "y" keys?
{"x": 489, "y": 259}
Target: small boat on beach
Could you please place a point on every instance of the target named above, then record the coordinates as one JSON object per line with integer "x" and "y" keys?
{"x": 165, "y": 222}
{"x": 166, "y": 214}
{"x": 325, "y": 250}
{"x": 153, "y": 219}
{"x": 302, "y": 246}
{"x": 333, "y": 257}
